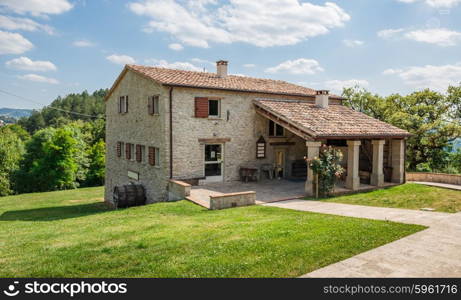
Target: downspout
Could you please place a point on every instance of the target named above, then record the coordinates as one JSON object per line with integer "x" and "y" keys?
{"x": 171, "y": 132}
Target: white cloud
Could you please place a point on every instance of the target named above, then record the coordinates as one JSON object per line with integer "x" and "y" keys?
{"x": 121, "y": 59}
{"x": 336, "y": 86}
{"x": 442, "y": 37}
{"x": 13, "y": 43}
{"x": 179, "y": 65}
{"x": 429, "y": 76}
{"x": 438, "y": 36}
{"x": 39, "y": 78}
{"x": 263, "y": 23}
{"x": 37, "y": 7}
{"x": 249, "y": 65}
{"x": 25, "y": 63}
{"x": 26, "y": 24}
{"x": 175, "y": 47}
{"x": 389, "y": 33}
{"x": 353, "y": 43}
{"x": 297, "y": 66}
{"x": 435, "y": 3}
{"x": 83, "y": 43}
{"x": 202, "y": 61}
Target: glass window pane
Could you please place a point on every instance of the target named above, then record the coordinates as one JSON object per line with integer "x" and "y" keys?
{"x": 271, "y": 128}
{"x": 278, "y": 130}
{"x": 213, "y": 107}
{"x": 213, "y": 169}
{"x": 212, "y": 152}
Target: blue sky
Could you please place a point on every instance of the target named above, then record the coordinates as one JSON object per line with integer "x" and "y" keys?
{"x": 55, "y": 47}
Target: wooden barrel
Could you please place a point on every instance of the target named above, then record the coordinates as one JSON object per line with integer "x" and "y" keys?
{"x": 129, "y": 195}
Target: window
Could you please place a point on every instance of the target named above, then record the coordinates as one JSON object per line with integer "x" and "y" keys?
{"x": 205, "y": 107}
{"x": 139, "y": 153}
{"x": 154, "y": 156}
{"x": 129, "y": 151}
{"x": 275, "y": 129}
{"x": 119, "y": 149}
{"x": 153, "y": 105}
{"x": 213, "y": 108}
{"x": 123, "y": 105}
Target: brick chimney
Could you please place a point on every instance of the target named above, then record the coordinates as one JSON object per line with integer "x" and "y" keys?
{"x": 221, "y": 68}
{"x": 321, "y": 98}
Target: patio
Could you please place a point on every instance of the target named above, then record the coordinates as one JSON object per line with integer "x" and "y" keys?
{"x": 266, "y": 190}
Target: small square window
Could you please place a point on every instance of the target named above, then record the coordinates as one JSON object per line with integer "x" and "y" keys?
{"x": 213, "y": 108}
{"x": 275, "y": 129}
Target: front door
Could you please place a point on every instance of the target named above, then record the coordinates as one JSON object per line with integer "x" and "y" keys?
{"x": 279, "y": 163}
{"x": 214, "y": 162}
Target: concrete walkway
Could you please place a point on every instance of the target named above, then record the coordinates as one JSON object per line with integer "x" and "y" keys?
{"x": 442, "y": 185}
{"x": 433, "y": 252}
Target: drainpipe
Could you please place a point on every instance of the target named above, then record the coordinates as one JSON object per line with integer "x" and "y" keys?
{"x": 171, "y": 132}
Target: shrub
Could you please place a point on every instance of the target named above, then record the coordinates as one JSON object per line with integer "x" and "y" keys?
{"x": 327, "y": 168}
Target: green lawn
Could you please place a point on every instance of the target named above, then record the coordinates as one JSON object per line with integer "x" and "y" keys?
{"x": 410, "y": 195}
{"x": 72, "y": 234}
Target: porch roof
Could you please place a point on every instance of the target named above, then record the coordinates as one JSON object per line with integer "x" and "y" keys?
{"x": 334, "y": 122}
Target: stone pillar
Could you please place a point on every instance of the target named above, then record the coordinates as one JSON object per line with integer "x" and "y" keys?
{"x": 313, "y": 150}
{"x": 353, "y": 179}
{"x": 377, "y": 175}
{"x": 398, "y": 160}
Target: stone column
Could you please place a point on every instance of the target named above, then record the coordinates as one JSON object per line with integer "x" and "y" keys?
{"x": 398, "y": 160}
{"x": 313, "y": 149}
{"x": 353, "y": 179}
{"x": 377, "y": 175}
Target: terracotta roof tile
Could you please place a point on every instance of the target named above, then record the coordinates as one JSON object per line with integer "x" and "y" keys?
{"x": 334, "y": 121}
{"x": 230, "y": 82}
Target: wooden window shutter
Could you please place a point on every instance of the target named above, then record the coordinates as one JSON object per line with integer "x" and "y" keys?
{"x": 150, "y": 105}
{"x": 138, "y": 153}
{"x": 155, "y": 104}
{"x": 120, "y": 104}
{"x": 151, "y": 156}
{"x": 201, "y": 107}
{"x": 128, "y": 151}
{"x": 119, "y": 149}
{"x": 126, "y": 103}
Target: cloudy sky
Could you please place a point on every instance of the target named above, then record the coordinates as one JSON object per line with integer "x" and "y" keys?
{"x": 55, "y": 47}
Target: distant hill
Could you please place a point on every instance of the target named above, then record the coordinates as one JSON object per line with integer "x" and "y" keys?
{"x": 15, "y": 112}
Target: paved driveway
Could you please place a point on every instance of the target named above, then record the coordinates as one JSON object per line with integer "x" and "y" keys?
{"x": 434, "y": 252}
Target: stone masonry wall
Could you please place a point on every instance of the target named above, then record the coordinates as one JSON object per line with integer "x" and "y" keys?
{"x": 137, "y": 127}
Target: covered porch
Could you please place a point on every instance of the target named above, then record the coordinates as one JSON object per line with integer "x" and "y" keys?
{"x": 373, "y": 151}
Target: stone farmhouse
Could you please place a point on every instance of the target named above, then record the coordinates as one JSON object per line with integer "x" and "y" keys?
{"x": 167, "y": 125}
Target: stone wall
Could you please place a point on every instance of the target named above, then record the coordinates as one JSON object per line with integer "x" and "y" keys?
{"x": 137, "y": 127}
{"x": 232, "y": 200}
{"x": 434, "y": 177}
{"x": 178, "y": 190}
{"x": 239, "y": 125}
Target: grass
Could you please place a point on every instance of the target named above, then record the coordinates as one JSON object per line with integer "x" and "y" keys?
{"x": 72, "y": 234}
{"x": 410, "y": 195}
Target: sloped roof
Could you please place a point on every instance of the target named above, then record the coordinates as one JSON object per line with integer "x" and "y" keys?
{"x": 336, "y": 121}
{"x": 230, "y": 82}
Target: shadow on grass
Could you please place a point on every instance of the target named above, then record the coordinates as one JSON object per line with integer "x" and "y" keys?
{"x": 54, "y": 213}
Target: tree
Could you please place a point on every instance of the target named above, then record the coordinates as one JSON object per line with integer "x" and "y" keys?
{"x": 428, "y": 115}
{"x": 55, "y": 159}
{"x": 96, "y": 170}
{"x": 11, "y": 150}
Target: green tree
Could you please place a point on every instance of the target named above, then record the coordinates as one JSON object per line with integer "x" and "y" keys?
{"x": 428, "y": 115}
{"x": 11, "y": 150}
{"x": 96, "y": 170}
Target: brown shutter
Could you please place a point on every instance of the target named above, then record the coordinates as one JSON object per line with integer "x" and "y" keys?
{"x": 155, "y": 104}
{"x": 150, "y": 105}
{"x": 126, "y": 103}
{"x": 128, "y": 151}
{"x": 119, "y": 149}
{"x": 151, "y": 156}
{"x": 201, "y": 107}
{"x": 120, "y": 101}
{"x": 138, "y": 153}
